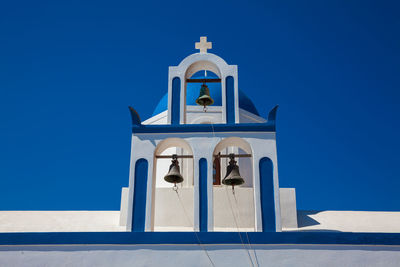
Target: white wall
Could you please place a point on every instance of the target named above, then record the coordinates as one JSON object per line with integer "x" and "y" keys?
{"x": 233, "y": 212}
{"x": 60, "y": 221}
{"x": 288, "y": 208}
{"x": 173, "y": 213}
{"x": 349, "y": 221}
{"x": 124, "y": 206}
{"x": 193, "y": 255}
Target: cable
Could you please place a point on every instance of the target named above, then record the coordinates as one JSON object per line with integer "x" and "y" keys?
{"x": 248, "y": 240}
{"x": 234, "y": 217}
{"x": 237, "y": 227}
{"x": 190, "y": 223}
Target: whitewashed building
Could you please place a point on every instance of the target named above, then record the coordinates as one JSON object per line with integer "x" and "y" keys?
{"x": 201, "y": 221}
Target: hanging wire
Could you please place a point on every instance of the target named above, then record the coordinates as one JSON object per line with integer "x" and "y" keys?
{"x": 234, "y": 217}
{"x": 205, "y": 77}
{"x": 190, "y": 223}
{"x": 237, "y": 227}
{"x": 247, "y": 236}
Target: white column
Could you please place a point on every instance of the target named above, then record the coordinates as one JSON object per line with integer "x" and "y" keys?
{"x": 196, "y": 191}
{"x": 257, "y": 193}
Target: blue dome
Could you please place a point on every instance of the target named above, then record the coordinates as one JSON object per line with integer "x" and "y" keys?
{"x": 215, "y": 92}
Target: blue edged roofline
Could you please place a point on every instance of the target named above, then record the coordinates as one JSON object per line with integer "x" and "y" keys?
{"x": 179, "y": 238}
{"x": 269, "y": 126}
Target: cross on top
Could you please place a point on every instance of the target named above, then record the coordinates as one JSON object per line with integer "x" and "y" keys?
{"x": 203, "y": 45}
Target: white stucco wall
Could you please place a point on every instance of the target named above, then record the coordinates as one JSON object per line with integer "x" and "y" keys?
{"x": 60, "y": 221}
{"x": 173, "y": 213}
{"x": 288, "y": 208}
{"x": 193, "y": 255}
{"x": 233, "y": 212}
{"x": 108, "y": 221}
{"x": 124, "y": 206}
{"x": 349, "y": 221}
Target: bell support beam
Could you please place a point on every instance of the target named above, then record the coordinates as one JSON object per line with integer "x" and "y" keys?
{"x": 174, "y": 156}
{"x": 203, "y": 80}
{"x": 234, "y": 155}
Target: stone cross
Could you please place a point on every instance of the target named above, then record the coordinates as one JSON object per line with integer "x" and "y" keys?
{"x": 203, "y": 45}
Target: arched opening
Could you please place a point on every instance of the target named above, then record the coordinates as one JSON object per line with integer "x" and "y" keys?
{"x": 173, "y": 210}
{"x": 197, "y": 74}
{"x": 233, "y": 210}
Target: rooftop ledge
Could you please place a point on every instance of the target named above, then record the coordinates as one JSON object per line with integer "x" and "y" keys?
{"x": 191, "y": 128}
{"x": 148, "y": 238}
{"x": 269, "y": 126}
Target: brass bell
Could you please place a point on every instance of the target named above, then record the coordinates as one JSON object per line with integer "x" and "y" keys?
{"x": 232, "y": 176}
{"x": 174, "y": 176}
{"x": 204, "y": 99}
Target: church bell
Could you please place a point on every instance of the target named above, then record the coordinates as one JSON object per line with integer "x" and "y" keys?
{"x": 174, "y": 176}
{"x": 232, "y": 176}
{"x": 204, "y": 99}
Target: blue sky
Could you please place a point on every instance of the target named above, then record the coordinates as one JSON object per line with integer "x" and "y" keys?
{"x": 69, "y": 70}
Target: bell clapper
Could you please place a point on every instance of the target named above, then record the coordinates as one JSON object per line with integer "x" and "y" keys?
{"x": 233, "y": 189}
{"x": 175, "y": 188}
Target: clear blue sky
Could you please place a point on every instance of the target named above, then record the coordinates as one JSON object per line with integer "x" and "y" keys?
{"x": 69, "y": 70}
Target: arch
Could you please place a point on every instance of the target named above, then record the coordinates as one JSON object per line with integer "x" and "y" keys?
{"x": 139, "y": 195}
{"x": 190, "y": 65}
{"x": 202, "y": 65}
{"x": 267, "y": 195}
{"x": 193, "y": 89}
{"x": 167, "y": 213}
{"x": 208, "y": 57}
{"x": 233, "y": 211}
{"x": 233, "y": 141}
{"x": 193, "y": 113}
{"x": 172, "y": 142}
{"x": 239, "y": 144}
{"x": 161, "y": 148}
{"x": 194, "y": 63}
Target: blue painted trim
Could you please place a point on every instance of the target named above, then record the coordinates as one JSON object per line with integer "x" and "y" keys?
{"x": 86, "y": 238}
{"x": 203, "y": 195}
{"x": 139, "y": 196}
{"x": 272, "y": 116}
{"x": 190, "y": 128}
{"x": 135, "y": 117}
{"x": 176, "y": 96}
{"x": 230, "y": 99}
{"x": 267, "y": 195}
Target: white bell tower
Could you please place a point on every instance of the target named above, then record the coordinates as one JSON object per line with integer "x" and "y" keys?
{"x": 203, "y": 141}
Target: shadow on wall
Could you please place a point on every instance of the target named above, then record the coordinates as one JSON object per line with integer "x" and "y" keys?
{"x": 304, "y": 219}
